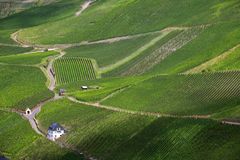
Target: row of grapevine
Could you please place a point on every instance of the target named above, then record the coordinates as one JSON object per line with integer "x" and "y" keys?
{"x": 164, "y": 51}
{"x": 182, "y": 94}
{"x": 73, "y": 69}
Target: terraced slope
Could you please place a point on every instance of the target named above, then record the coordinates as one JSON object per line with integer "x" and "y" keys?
{"x": 18, "y": 141}
{"x": 111, "y": 135}
{"x": 74, "y": 69}
{"x": 182, "y": 94}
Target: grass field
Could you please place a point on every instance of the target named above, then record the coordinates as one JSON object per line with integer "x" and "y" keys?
{"x": 231, "y": 62}
{"x": 110, "y": 53}
{"x": 127, "y": 18}
{"x": 6, "y": 51}
{"x": 19, "y": 141}
{"x": 27, "y": 59}
{"x": 74, "y": 69}
{"x": 22, "y": 87}
{"x": 111, "y": 135}
{"x": 182, "y": 95}
{"x": 5, "y": 35}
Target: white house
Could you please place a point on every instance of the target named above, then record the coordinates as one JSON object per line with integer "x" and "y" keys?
{"x": 55, "y": 131}
{"x": 28, "y": 111}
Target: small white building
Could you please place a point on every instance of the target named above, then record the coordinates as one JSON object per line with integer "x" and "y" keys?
{"x": 55, "y": 131}
{"x": 84, "y": 87}
{"x": 28, "y": 111}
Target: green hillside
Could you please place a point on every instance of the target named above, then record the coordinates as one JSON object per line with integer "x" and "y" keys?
{"x": 111, "y": 135}
{"x": 126, "y": 79}
{"x": 118, "y": 14}
{"x": 181, "y": 94}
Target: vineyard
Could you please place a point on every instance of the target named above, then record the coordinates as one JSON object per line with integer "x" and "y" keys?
{"x": 73, "y": 69}
{"x": 164, "y": 51}
{"x": 182, "y": 94}
{"x": 110, "y": 53}
{"x": 22, "y": 87}
{"x": 111, "y": 135}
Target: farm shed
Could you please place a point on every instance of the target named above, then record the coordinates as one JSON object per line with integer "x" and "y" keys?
{"x": 84, "y": 87}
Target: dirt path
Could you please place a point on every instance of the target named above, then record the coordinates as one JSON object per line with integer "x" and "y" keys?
{"x": 231, "y": 123}
{"x": 114, "y": 109}
{"x": 98, "y": 105}
{"x": 84, "y": 6}
{"x": 14, "y": 36}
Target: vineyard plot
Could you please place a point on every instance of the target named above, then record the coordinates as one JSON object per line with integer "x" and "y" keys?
{"x": 164, "y": 51}
{"x": 73, "y": 69}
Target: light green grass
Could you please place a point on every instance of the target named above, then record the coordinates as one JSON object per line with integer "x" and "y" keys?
{"x": 6, "y": 51}
{"x": 27, "y": 59}
{"x": 231, "y": 62}
{"x": 73, "y": 69}
{"x": 181, "y": 95}
{"x": 123, "y": 17}
{"x": 112, "y": 135}
{"x": 109, "y": 53}
{"x": 22, "y": 87}
{"x": 19, "y": 141}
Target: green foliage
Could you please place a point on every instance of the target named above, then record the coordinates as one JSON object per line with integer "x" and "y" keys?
{"x": 181, "y": 94}
{"x": 28, "y": 59}
{"x": 112, "y": 135}
{"x": 22, "y": 87}
{"x": 74, "y": 69}
{"x": 6, "y": 51}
